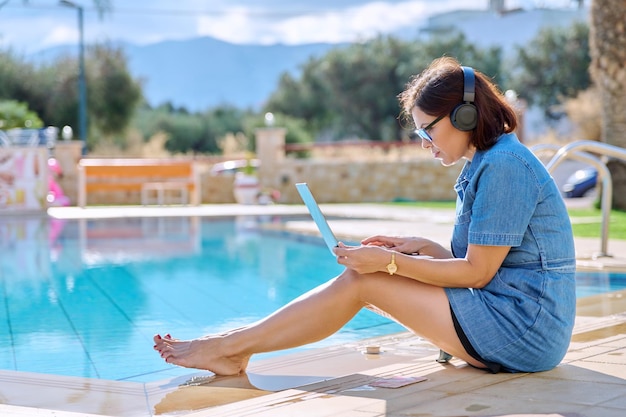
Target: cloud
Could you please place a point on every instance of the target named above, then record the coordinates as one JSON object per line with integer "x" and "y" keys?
{"x": 61, "y": 35}
{"x": 29, "y": 28}
{"x": 242, "y": 25}
{"x": 39, "y": 31}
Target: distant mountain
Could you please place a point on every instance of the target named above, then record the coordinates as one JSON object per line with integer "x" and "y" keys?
{"x": 204, "y": 72}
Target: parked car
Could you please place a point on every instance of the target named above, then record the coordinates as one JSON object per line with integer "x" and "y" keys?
{"x": 580, "y": 183}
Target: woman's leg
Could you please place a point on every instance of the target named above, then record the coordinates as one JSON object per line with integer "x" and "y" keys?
{"x": 422, "y": 308}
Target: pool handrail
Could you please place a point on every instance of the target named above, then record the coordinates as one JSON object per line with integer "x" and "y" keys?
{"x": 583, "y": 151}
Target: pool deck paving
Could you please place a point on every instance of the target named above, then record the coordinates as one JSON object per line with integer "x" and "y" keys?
{"x": 402, "y": 379}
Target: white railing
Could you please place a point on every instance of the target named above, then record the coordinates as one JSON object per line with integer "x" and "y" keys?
{"x": 4, "y": 139}
{"x": 585, "y": 151}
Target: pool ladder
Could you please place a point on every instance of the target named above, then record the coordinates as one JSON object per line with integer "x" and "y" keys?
{"x": 585, "y": 151}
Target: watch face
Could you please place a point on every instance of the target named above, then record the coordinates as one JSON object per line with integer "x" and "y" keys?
{"x": 392, "y": 268}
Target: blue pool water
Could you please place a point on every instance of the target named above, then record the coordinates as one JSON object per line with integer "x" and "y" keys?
{"x": 84, "y": 298}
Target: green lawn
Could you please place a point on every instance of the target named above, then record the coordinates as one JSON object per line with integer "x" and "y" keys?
{"x": 585, "y": 222}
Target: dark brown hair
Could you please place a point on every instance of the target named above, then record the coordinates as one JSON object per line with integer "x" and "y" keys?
{"x": 439, "y": 89}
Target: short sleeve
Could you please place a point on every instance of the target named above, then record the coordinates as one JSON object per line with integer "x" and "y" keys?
{"x": 506, "y": 193}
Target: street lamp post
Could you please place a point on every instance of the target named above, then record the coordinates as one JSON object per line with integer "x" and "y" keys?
{"x": 82, "y": 85}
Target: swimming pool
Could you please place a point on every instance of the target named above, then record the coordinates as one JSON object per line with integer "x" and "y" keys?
{"x": 84, "y": 297}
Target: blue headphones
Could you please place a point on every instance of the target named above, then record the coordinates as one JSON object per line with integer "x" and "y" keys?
{"x": 465, "y": 116}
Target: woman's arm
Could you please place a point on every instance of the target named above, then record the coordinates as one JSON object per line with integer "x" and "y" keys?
{"x": 474, "y": 271}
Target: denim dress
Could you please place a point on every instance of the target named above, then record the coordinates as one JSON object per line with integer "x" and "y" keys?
{"x": 523, "y": 318}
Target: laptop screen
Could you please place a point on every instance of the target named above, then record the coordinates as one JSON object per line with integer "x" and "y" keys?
{"x": 318, "y": 217}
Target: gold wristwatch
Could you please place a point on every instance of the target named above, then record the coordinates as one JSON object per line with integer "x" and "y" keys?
{"x": 392, "y": 267}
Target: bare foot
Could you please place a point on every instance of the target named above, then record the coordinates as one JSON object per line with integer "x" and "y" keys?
{"x": 204, "y": 353}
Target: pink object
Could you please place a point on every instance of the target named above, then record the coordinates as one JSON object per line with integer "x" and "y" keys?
{"x": 56, "y": 196}
{"x": 54, "y": 166}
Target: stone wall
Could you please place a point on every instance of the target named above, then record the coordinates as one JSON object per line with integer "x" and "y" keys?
{"x": 370, "y": 181}
{"x": 345, "y": 177}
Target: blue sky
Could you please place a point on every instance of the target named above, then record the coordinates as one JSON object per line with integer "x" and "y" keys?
{"x": 27, "y": 27}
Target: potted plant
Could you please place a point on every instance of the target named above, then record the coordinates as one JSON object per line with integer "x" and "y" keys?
{"x": 246, "y": 187}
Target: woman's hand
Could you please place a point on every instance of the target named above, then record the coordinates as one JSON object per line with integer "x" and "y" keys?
{"x": 408, "y": 245}
{"x": 363, "y": 259}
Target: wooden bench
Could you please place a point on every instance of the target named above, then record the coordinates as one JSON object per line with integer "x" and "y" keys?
{"x": 139, "y": 175}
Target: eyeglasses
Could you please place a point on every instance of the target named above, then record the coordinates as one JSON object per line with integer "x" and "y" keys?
{"x": 423, "y": 132}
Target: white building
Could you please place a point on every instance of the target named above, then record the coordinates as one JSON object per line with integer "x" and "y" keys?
{"x": 502, "y": 27}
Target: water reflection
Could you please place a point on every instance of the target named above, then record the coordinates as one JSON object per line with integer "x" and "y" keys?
{"x": 67, "y": 287}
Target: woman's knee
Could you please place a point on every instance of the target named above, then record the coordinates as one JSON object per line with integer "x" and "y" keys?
{"x": 349, "y": 278}
{"x": 358, "y": 283}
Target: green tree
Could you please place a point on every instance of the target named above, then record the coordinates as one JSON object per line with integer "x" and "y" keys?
{"x": 47, "y": 89}
{"x": 190, "y": 132}
{"x": 352, "y": 91}
{"x": 455, "y": 44}
{"x": 113, "y": 93}
{"x": 15, "y": 114}
{"x": 16, "y": 77}
{"x": 56, "y": 94}
{"x": 365, "y": 82}
{"x": 309, "y": 97}
{"x": 553, "y": 67}
{"x": 187, "y": 133}
{"x": 51, "y": 89}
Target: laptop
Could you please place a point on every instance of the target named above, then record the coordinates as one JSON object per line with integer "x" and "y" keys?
{"x": 318, "y": 217}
